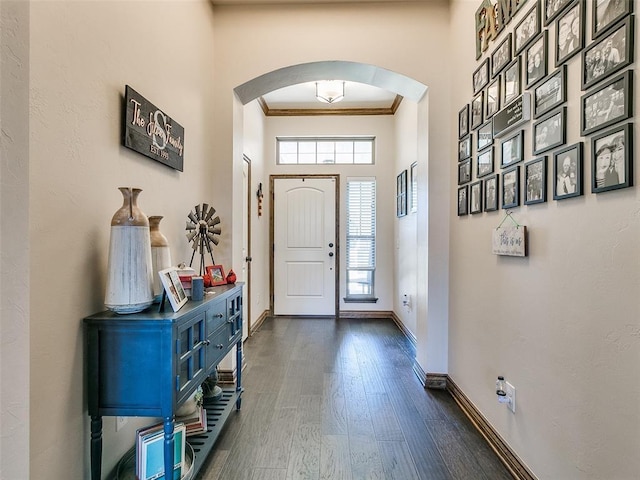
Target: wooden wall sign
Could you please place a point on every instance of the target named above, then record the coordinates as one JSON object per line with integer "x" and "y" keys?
{"x": 151, "y": 132}
{"x": 513, "y": 115}
{"x": 511, "y": 241}
{"x": 491, "y": 17}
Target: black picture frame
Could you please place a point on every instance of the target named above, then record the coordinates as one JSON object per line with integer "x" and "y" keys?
{"x": 413, "y": 197}
{"x": 493, "y": 98}
{"x": 477, "y": 110}
{"x": 595, "y": 68}
{"x": 511, "y": 82}
{"x": 570, "y": 32}
{"x": 475, "y": 197}
{"x": 608, "y": 104}
{"x": 535, "y": 181}
{"x": 464, "y": 171}
{"x": 484, "y": 162}
{"x": 481, "y": 76}
{"x": 550, "y": 131}
{"x": 527, "y": 29}
{"x": 535, "y": 59}
{"x": 484, "y": 136}
{"x": 463, "y": 121}
{"x": 401, "y": 194}
{"x": 553, "y": 8}
{"x": 512, "y": 150}
{"x": 491, "y": 193}
{"x": 463, "y": 201}
{"x": 511, "y": 187}
{"x": 464, "y": 147}
{"x": 607, "y": 14}
{"x": 501, "y": 56}
{"x": 618, "y": 141}
{"x": 551, "y": 92}
{"x": 567, "y": 172}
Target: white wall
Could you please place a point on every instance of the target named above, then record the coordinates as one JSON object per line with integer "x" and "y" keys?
{"x": 383, "y": 170}
{"x": 82, "y": 56}
{"x": 561, "y": 324}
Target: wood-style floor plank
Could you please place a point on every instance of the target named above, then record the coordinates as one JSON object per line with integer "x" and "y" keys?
{"x": 338, "y": 400}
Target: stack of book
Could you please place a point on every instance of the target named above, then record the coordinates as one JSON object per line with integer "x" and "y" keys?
{"x": 150, "y": 452}
{"x": 185, "y": 274}
{"x": 194, "y": 423}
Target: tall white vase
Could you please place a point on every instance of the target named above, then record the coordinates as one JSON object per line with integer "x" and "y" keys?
{"x": 160, "y": 255}
{"x": 130, "y": 270}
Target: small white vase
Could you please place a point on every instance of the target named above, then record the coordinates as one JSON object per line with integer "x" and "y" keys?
{"x": 160, "y": 255}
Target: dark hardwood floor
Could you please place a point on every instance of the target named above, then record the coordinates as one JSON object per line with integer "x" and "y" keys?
{"x": 332, "y": 400}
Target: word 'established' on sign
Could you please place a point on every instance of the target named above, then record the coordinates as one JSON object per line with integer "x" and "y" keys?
{"x": 151, "y": 132}
{"x": 491, "y": 18}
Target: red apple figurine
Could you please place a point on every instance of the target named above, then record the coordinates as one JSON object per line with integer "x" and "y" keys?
{"x": 231, "y": 276}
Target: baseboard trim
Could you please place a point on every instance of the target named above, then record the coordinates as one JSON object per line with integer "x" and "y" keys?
{"x": 255, "y": 326}
{"x": 420, "y": 373}
{"x": 436, "y": 381}
{"x": 513, "y": 463}
{"x": 362, "y": 314}
{"x": 407, "y": 333}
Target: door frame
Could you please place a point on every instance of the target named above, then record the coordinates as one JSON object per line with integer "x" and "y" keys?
{"x": 272, "y": 179}
{"x": 247, "y": 280}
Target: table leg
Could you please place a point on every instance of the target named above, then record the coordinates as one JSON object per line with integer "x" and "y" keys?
{"x": 168, "y": 448}
{"x": 96, "y": 447}
{"x": 239, "y": 372}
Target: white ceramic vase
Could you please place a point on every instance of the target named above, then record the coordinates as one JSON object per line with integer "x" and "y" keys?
{"x": 130, "y": 269}
{"x": 160, "y": 255}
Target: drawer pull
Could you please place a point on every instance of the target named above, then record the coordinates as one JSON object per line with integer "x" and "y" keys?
{"x": 219, "y": 315}
{"x": 230, "y": 321}
{"x": 220, "y": 346}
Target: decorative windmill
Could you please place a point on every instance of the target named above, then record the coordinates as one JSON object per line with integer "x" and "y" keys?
{"x": 202, "y": 231}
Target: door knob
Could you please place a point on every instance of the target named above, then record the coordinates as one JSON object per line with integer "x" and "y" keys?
{"x": 248, "y": 259}
{"x": 331, "y": 245}
{"x": 331, "y": 254}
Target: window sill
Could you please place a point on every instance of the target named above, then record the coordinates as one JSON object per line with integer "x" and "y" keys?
{"x": 360, "y": 300}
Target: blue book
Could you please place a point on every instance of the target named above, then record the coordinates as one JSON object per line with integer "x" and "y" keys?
{"x": 152, "y": 454}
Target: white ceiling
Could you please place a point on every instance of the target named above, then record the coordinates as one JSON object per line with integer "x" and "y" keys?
{"x": 302, "y": 96}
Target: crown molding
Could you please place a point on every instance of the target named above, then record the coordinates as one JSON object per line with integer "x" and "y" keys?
{"x": 310, "y": 112}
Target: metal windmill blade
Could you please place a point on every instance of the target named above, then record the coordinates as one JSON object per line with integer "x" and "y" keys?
{"x": 202, "y": 231}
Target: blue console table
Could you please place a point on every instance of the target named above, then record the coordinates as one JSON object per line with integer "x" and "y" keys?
{"x": 147, "y": 364}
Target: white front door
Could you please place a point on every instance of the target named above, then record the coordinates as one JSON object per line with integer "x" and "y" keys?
{"x": 304, "y": 246}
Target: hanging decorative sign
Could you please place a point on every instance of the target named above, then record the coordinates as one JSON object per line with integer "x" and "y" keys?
{"x": 513, "y": 115}
{"x": 510, "y": 240}
{"x": 151, "y": 132}
{"x": 491, "y": 18}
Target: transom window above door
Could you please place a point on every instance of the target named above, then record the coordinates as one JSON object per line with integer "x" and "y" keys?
{"x": 325, "y": 150}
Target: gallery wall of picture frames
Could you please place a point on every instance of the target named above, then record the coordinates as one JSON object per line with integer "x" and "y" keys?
{"x": 532, "y": 58}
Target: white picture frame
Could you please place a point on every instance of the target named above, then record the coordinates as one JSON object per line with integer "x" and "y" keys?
{"x": 173, "y": 287}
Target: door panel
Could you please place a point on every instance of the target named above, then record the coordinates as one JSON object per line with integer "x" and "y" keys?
{"x": 304, "y": 261}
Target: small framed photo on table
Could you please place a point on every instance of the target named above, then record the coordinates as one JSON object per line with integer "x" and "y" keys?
{"x": 173, "y": 287}
{"x": 216, "y": 273}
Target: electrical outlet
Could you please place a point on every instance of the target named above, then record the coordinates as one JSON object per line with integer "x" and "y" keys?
{"x": 510, "y": 390}
{"x": 121, "y": 422}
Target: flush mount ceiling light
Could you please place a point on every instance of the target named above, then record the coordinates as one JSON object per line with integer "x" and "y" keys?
{"x": 330, "y": 91}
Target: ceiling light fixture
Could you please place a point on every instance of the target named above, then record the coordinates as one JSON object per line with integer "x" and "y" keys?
{"x": 330, "y": 91}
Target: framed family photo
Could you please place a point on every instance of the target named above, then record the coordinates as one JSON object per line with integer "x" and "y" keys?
{"x": 567, "y": 172}
{"x": 553, "y": 8}
{"x": 464, "y": 171}
{"x": 551, "y": 93}
{"x": 173, "y": 287}
{"x": 536, "y": 60}
{"x": 612, "y": 159}
{"x": 607, "y": 12}
{"x": 550, "y": 131}
{"x": 481, "y": 76}
{"x": 477, "y": 107}
{"x": 216, "y": 273}
{"x": 484, "y": 136}
{"x": 401, "y": 194}
{"x": 535, "y": 181}
{"x": 464, "y": 147}
{"x": 491, "y": 193}
{"x": 609, "y": 55}
{"x": 463, "y": 202}
{"x": 511, "y": 187}
{"x": 501, "y": 56}
{"x": 493, "y": 98}
{"x": 475, "y": 192}
{"x": 607, "y": 105}
{"x": 463, "y": 121}
{"x": 512, "y": 149}
{"x": 527, "y": 29}
{"x": 484, "y": 162}
{"x": 570, "y": 32}
{"x": 511, "y": 84}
